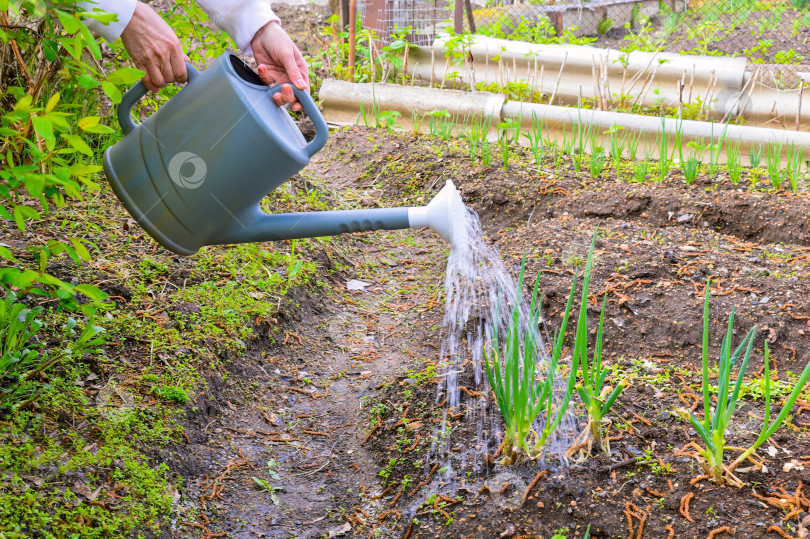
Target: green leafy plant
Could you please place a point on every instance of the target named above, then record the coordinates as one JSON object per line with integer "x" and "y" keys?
{"x": 440, "y": 123}
{"x": 388, "y": 119}
{"x": 265, "y": 486}
{"x": 50, "y": 136}
{"x": 24, "y": 356}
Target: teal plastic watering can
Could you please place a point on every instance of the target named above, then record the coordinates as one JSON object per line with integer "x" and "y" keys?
{"x": 193, "y": 173}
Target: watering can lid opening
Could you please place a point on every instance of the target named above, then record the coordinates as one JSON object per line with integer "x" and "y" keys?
{"x": 244, "y": 72}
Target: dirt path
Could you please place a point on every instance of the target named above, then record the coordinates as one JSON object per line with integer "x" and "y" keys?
{"x": 299, "y": 403}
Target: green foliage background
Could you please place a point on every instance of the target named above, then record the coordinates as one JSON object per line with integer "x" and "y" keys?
{"x": 92, "y": 384}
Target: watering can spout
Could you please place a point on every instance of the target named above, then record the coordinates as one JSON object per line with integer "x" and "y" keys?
{"x": 257, "y": 226}
{"x": 445, "y": 215}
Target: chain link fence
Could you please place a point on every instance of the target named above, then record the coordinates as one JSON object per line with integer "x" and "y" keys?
{"x": 772, "y": 35}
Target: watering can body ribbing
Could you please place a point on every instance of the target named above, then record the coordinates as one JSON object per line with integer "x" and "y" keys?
{"x": 194, "y": 172}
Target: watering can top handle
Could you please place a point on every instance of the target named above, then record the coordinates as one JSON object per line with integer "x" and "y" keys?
{"x": 321, "y": 130}
{"x": 135, "y": 94}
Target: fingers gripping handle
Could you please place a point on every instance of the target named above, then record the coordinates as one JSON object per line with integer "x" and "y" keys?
{"x": 134, "y": 95}
{"x": 321, "y": 130}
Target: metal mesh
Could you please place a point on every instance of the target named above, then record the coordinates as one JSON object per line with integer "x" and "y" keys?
{"x": 770, "y": 34}
{"x": 424, "y": 18}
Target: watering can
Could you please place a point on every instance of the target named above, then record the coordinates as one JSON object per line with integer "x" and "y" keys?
{"x": 194, "y": 172}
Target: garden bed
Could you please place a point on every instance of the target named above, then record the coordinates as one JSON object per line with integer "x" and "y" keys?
{"x": 369, "y": 359}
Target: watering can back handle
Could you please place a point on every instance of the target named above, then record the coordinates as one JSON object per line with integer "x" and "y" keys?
{"x": 321, "y": 129}
{"x": 135, "y": 94}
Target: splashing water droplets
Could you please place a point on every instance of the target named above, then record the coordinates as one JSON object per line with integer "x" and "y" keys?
{"x": 480, "y": 296}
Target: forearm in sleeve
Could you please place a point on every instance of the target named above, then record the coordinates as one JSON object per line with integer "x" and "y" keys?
{"x": 241, "y": 19}
{"x": 112, "y": 31}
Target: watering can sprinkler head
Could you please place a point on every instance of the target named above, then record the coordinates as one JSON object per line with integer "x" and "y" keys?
{"x": 444, "y": 215}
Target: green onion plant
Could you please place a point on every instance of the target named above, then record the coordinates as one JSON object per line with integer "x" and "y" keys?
{"x": 512, "y": 372}
{"x": 618, "y": 142}
{"x": 535, "y": 136}
{"x": 714, "y": 151}
{"x": 664, "y": 161}
{"x": 632, "y": 146}
{"x": 597, "y": 396}
{"x": 640, "y": 170}
{"x": 486, "y": 153}
{"x": 755, "y": 156}
{"x": 597, "y": 162}
{"x": 733, "y": 162}
{"x": 795, "y": 159}
{"x": 773, "y": 164}
{"x": 712, "y": 428}
{"x": 417, "y": 121}
{"x": 691, "y": 164}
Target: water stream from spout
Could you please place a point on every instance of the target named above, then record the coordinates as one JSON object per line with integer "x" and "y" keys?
{"x": 479, "y": 296}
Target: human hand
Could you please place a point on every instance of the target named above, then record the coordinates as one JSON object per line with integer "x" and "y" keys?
{"x": 280, "y": 61}
{"x": 154, "y": 48}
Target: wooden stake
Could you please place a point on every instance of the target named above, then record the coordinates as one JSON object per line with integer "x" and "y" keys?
{"x": 432, "y": 67}
{"x": 540, "y": 86}
{"x": 352, "y": 35}
{"x": 691, "y": 83}
{"x": 559, "y": 76}
{"x": 470, "y": 18}
{"x": 606, "y": 79}
{"x": 799, "y": 109}
{"x": 706, "y": 95}
{"x": 486, "y": 67}
{"x": 595, "y": 77}
{"x": 749, "y": 85}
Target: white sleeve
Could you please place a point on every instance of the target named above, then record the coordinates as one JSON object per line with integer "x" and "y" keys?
{"x": 241, "y": 19}
{"x": 112, "y": 31}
